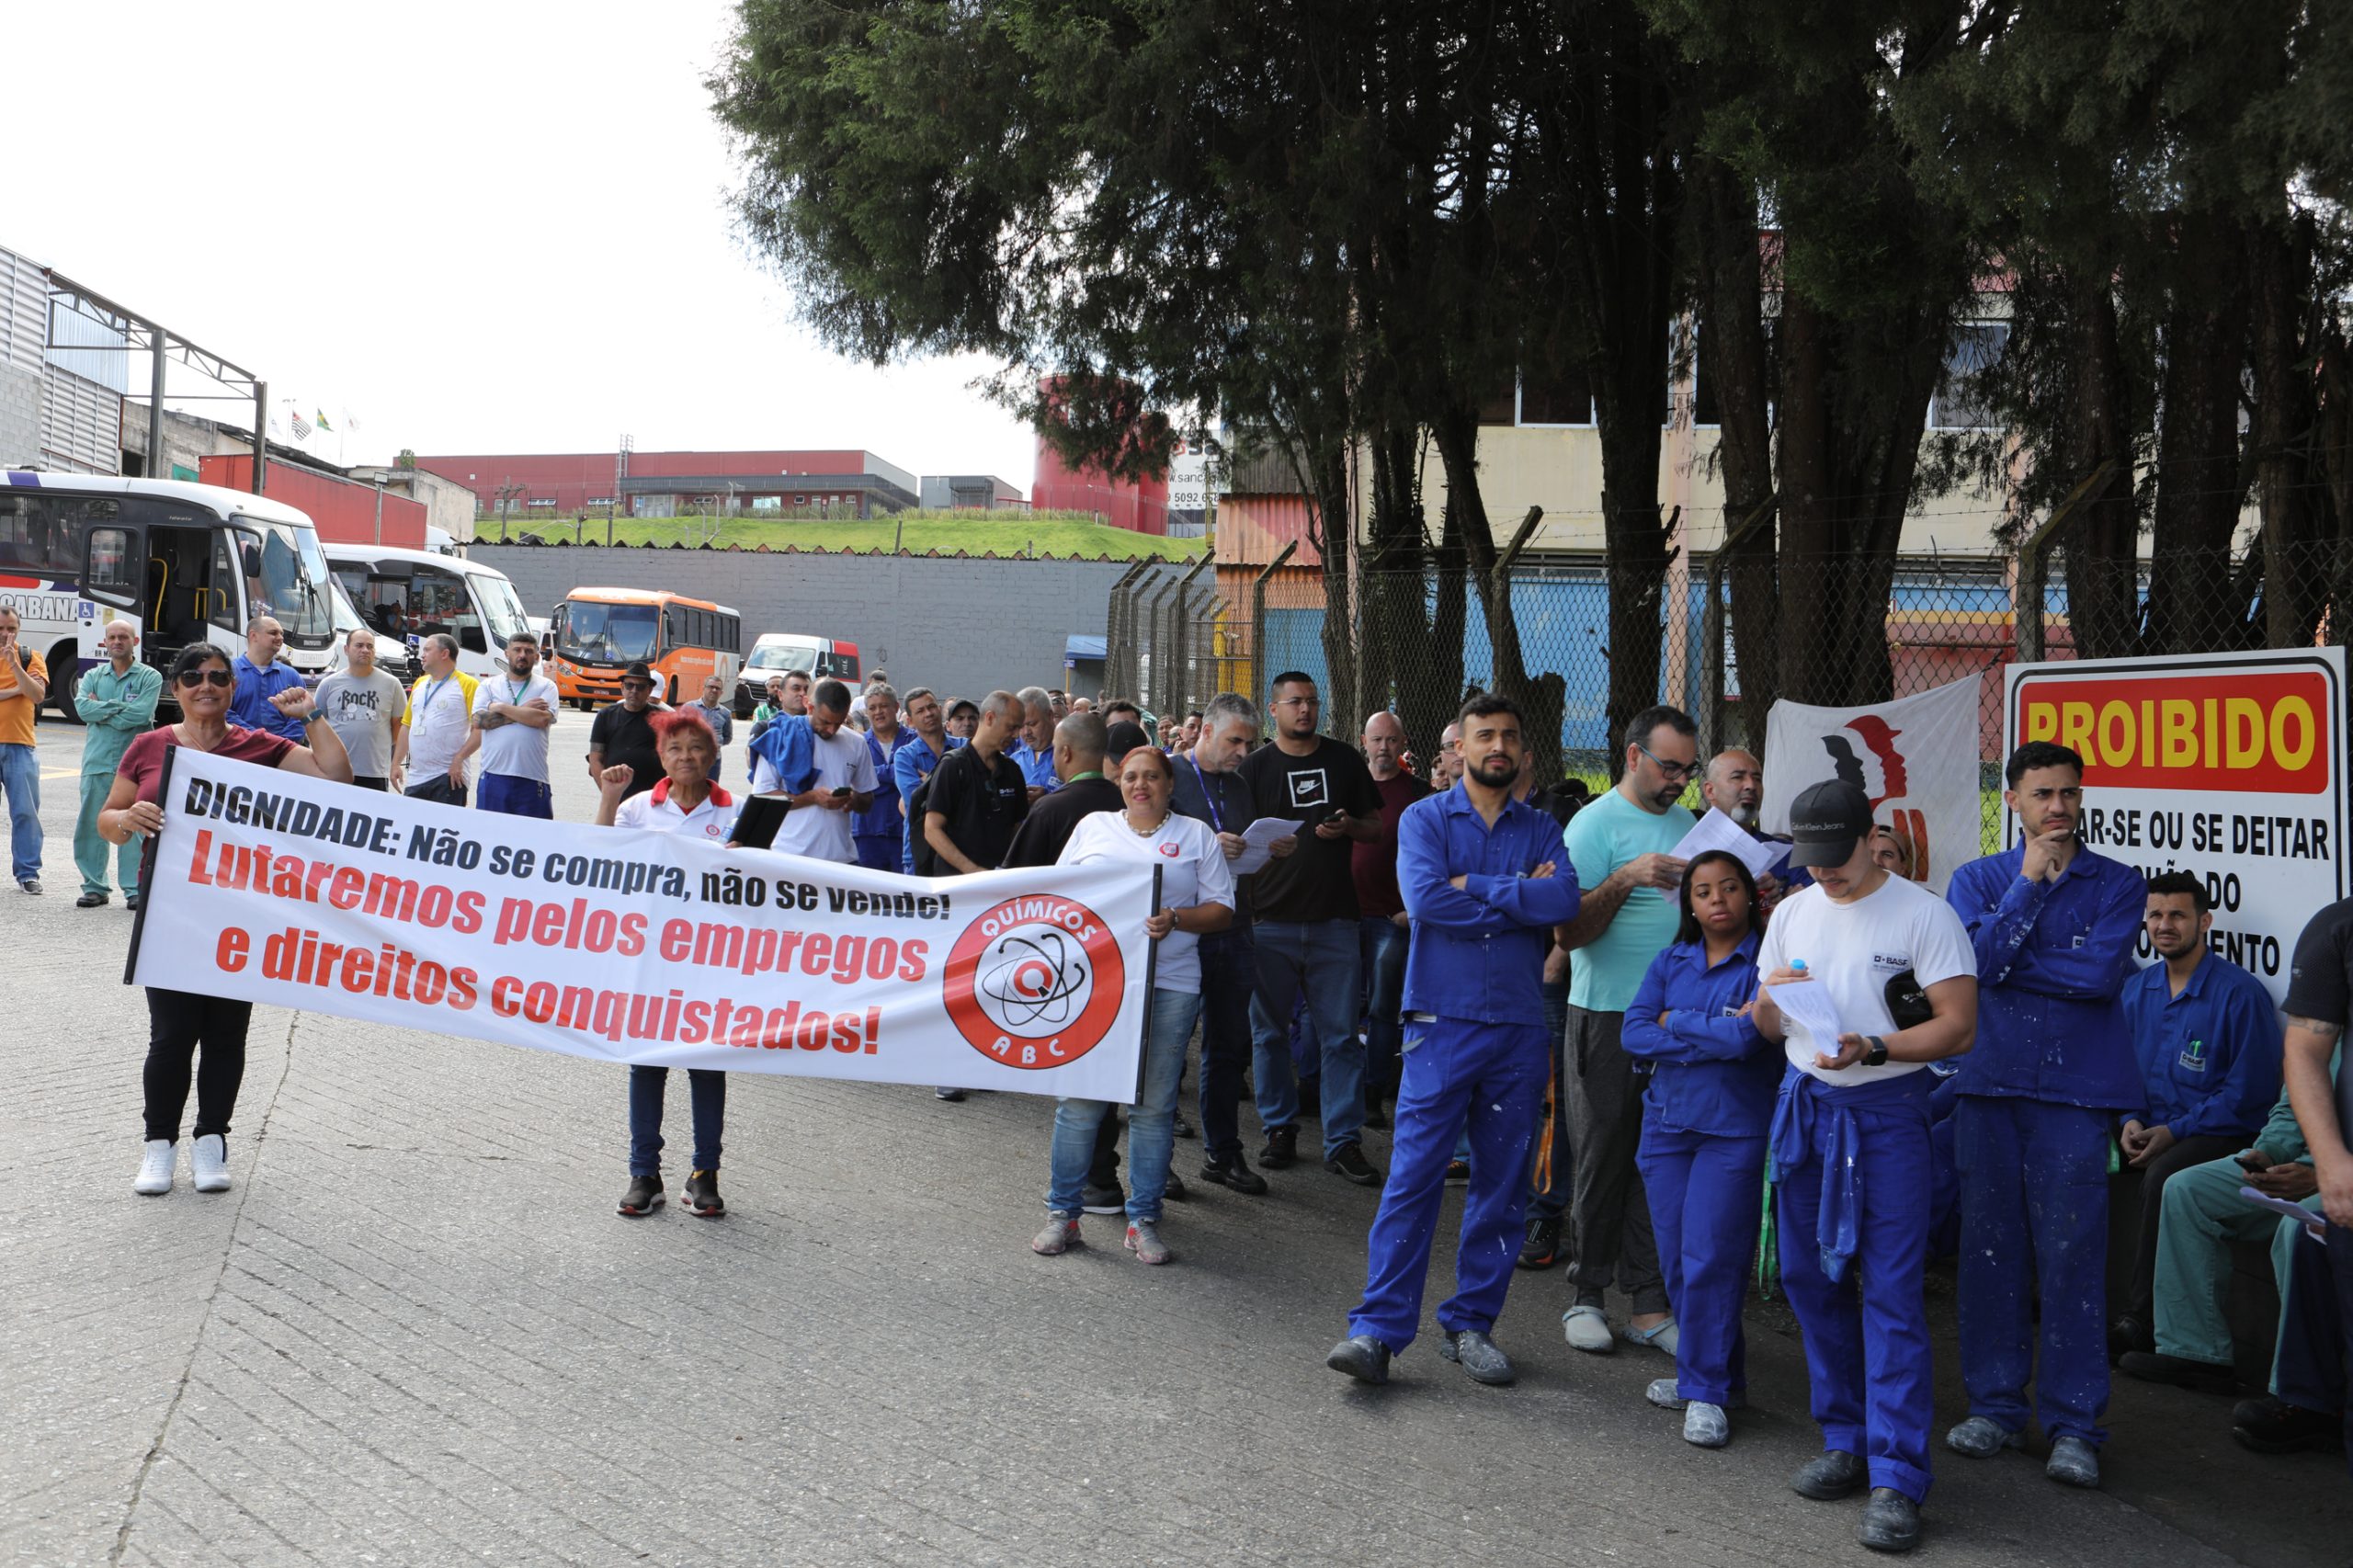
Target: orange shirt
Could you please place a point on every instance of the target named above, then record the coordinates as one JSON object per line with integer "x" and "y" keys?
{"x": 17, "y": 714}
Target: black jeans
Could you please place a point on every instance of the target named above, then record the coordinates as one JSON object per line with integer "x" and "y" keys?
{"x": 178, "y": 1023}
{"x": 439, "y": 788}
{"x": 2139, "y": 1193}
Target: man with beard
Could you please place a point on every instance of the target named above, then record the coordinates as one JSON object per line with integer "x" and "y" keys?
{"x": 1734, "y": 785}
{"x": 1480, "y": 875}
{"x": 913, "y": 764}
{"x": 2053, "y": 925}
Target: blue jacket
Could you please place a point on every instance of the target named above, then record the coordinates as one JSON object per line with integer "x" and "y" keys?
{"x": 1037, "y": 767}
{"x": 909, "y": 766}
{"x": 790, "y": 747}
{"x": 2209, "y": 1057}
{"x": 1478, "y": 953}
{"x": 2052, "y": 959}
{"x": 249, "y": 703}
{"x": 1710, "y": 1069}
{"x": 880, "y": 819}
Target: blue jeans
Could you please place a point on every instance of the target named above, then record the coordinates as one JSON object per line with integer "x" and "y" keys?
{"x": 706, "y": 1086}
{"x": 20, "y": 775}
{"x": 1381, "y": 949}
{"x": 1151, "y": 1124}
{"x": 1321, "y": 961}
{"x": 515, "y": 797}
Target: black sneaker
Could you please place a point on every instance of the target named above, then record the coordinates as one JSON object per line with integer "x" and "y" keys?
{"x": 30, "y": 884}
{"x": 945, "y": 1093}
{"x": 1235, "y": 1175}
{"x": 2272, "y": 1426}
{"x": 1891, "y": 1521}
{"x": 1831, "y": 1475}
{"x": 1280, "y": 1149}
{"x": 90, "y": 901}
{"x": 1350, "y": 1163}
{"x": 1542, "y": 1248}
{"x": 131, "y": 901}
{"x": 1362, "y": 1357}
{"x": 702, "y": 1196}
{"x": 1182, "y": 1128}
{"x": 2127, "y": 1335}
{"x": 1376, "y": 1114}
{"x": 644, "y": 1197}
{"x": 2155, "y": 1367}
{"x": 1098, "y": 1199}
{"x": 1175, "y": 1191}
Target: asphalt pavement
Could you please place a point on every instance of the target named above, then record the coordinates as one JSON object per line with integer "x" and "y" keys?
{"x": 415, "y": 1333}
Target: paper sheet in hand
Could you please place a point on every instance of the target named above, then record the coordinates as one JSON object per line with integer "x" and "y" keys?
{"x": 1255, "y": 839}
{"x": 1717, "y": 831}
{"x": 1808, "y": 1002}
{"x": 2311, "y": 1220}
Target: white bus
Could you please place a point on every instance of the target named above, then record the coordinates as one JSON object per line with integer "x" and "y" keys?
{"x": 182, "y": 563}
{"x": 410, "y": 593}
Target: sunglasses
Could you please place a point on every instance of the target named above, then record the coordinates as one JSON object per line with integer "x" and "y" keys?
{"x": 207, "y": 677}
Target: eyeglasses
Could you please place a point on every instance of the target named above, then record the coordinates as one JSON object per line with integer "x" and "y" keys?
{"x": 1675, "y": 771}
{"x": 207, "y": 677}
{"x": 1301, "y": 702}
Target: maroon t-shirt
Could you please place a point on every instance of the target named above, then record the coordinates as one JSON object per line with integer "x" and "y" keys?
{"x": 142, "y": 764}
{"x": 1375, "y": 861}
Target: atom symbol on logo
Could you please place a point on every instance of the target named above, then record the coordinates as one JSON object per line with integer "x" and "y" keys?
{"x": 1035, "y": 979}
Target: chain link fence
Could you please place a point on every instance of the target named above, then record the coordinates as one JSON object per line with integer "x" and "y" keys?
{"x": 1724, "y": 638}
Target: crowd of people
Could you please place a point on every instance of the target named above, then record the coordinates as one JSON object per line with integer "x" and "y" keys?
{"x": 1617, "y": 1053}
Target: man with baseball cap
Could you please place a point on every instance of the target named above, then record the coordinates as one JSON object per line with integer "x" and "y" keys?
{"x": 1886, "y": 983}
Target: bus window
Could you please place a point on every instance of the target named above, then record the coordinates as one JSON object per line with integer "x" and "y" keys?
{"x": 37, "y": 534}
{"x": 223, "y": 611}
{"x": 109, "y": 573}
{"x": 441, "y": 604}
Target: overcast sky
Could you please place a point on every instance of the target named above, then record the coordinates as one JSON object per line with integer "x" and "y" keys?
{"x": 483, "y": 227}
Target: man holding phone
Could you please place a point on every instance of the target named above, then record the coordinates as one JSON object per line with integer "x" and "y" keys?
{"x": 824, "y": 770}
{"x": 1306, "y": 928}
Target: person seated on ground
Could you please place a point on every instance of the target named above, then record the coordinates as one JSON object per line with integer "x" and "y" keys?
{"x": 685, "y": 801}
{"x": 2307, "y": 1408}
{"x": 1705, "y": 1114}
{"x": 1196, "y": 898}
{"x": 2202, "y": 1218}
{"x": 2209, "y": 1042}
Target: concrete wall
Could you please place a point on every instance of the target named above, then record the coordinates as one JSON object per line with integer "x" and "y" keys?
{"x": 960, "y": 627}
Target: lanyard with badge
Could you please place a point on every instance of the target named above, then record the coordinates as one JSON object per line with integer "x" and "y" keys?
{"x": 1217, "y": 818}
{"x": 424, "y": 704}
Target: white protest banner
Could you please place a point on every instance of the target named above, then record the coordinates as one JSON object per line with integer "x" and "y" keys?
{"x": 629, "y": 946}
{"x": 2228, "y": 766}
{"x": 1915, "y": 759}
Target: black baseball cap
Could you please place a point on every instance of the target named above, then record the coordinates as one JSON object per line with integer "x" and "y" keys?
{"x": 1123, "y": 738}
{"x": 1826, "y": 821}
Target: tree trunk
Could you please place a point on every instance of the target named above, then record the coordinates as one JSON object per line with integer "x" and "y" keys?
{"x": 2102, "y": 539}
{"x": 2197, "y": 508}
{"x": 1457, "y": 432}
{"x": 1734, "y": 359}
{"x": 2295, "y": 579}
{"x": 1336, "y": 533}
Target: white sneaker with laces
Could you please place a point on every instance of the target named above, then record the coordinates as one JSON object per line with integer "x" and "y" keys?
{"x": 155, "y": 1168}
{"x": 207, "y": 1159}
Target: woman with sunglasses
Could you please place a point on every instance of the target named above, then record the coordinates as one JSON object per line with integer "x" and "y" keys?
{"x": 180, "y": 1022}
{"x": 1195, "y": 899}
{"x": 1705, "y": 1115}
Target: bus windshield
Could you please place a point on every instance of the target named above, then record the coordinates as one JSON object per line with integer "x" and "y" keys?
{"x": 784, "y": 657}
{"x": 501, "y": 609}
{"x": 609, "y": 635}
{"x": 290, "y": 582}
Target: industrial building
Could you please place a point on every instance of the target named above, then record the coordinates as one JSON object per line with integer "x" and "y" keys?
{"x": 667, "y": 485}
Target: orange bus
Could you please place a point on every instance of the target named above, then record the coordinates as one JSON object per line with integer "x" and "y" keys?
{"x": 598, "y": 632}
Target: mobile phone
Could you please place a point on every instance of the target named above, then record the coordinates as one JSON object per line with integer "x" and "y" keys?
{"x": 842, "y": 791}
{"x": 2252, "y": 1160}
{"x": 1335, "y": 815}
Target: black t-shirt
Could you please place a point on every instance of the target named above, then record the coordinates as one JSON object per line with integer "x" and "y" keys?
{"x": 2320, "y": 987}
{"x": 1317, "y": 880}
{"x": 1052, "y": 820}
{"x": 983, "y": 803}
{"x": 626, "y": 737}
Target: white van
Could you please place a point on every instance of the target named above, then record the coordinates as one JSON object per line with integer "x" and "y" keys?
{"x": 410, "y": 593}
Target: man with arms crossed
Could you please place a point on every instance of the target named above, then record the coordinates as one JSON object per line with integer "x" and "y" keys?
{"x": 511, "y": 717}
{"x": 1849, "y": 1153}
{"x": 117, "y": 700}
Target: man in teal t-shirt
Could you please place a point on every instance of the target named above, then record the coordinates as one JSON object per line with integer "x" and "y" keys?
{"x": 1619, "y": 846}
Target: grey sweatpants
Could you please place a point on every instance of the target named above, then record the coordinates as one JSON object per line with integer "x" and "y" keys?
{"x": 1607, "y": 1213}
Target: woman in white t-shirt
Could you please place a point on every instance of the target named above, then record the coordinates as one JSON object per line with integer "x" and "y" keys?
{"x": 686, "y": 802}
{"x": 1868, "y": 978}
{"x": 1196, "y": 899}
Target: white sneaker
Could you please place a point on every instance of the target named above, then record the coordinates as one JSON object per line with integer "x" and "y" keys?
{"x": 207, "y": 1159}
{"x": 156, "y": 1167}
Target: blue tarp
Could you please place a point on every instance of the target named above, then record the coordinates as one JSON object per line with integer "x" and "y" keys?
{"x": 1082, "y": 646}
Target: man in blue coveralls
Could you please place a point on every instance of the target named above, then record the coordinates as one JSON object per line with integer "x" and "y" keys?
{"x": 2053, "y": 925}
{"x": 1484, "y": 885}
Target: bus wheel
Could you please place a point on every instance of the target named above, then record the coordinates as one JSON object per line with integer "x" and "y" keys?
{"x": 672, "y": 700}
{"x": 61, "y": 660}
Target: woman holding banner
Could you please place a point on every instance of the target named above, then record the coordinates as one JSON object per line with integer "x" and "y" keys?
{"x": 1196, "y": 899}
{"x": 180, "y": 1022}
{"x": 687, "y": 801}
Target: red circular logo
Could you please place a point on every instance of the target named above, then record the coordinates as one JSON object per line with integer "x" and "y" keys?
{"x": 1035, "y": 982}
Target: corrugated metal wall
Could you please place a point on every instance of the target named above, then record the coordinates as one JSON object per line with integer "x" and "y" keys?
{"x": 81, "y": 422}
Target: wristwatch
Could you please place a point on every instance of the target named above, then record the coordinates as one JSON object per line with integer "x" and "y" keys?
{"x": 1874, "y": 1051}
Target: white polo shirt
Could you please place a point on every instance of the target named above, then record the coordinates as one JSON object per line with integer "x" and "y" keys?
{"x": 842, "y": 759}
{"x": 713, "y": 821}
{"x": 515, "y": 751}
{"x": 437, "y": 715}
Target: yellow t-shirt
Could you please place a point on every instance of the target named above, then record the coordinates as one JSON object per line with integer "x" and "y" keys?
{"x": 17, "y": 713}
